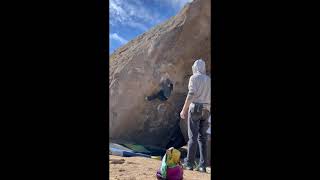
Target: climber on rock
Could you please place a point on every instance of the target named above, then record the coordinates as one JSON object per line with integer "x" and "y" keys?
{"x": 163, "y": 94}
{"x": 197, "y": 110}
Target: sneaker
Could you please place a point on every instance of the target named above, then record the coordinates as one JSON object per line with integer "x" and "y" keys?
{"x": 208, "y": 170}
{"x": 187, "y": 166}
{"x": 200, "y": 169}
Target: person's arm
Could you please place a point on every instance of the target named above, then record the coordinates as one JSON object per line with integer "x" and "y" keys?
{"x": 185, "y": 108}
{"x": 188, "y": 101}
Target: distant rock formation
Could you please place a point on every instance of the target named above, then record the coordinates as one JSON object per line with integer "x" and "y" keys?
{"x": 167, "y": 50}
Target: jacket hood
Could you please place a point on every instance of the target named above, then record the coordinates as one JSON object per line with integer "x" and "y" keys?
{"x": 199, "y": 66}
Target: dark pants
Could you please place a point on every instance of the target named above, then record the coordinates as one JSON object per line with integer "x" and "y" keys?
{"x": 197, "y": 127}
{"x": 159, "y": 95}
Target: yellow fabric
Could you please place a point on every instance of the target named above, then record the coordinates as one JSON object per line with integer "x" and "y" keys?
{"x": 173, "y": 157}
{"x": 170, "y": 159}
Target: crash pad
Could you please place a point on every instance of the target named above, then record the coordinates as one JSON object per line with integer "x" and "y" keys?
{"x": 120, "y": 147}
{"x": 155, "y": 151}
{"x": 137, "y": 148}
{"x": 156, "y": 157}
{"x": 123, "y": 153}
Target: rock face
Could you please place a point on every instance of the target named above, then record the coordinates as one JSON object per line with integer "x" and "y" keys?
{"x": 167, "y": 50}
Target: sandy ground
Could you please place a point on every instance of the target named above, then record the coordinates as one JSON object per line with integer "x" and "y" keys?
{"x": 140, "y": 168}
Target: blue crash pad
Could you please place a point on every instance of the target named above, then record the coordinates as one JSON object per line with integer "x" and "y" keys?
{"x": 124, "y": 153}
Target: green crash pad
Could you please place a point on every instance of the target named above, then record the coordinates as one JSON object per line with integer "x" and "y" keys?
{"x": 137, "y": 148}
{"x": 118, "y": 146}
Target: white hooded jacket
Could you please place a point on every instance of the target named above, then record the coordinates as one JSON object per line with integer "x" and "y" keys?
{"x": 200, "y": 84}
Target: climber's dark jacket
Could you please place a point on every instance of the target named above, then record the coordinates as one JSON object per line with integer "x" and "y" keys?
{"x": 164, "y": 93}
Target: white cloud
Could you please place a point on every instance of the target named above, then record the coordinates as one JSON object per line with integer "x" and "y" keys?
{"x": 117, "y": 12}
{"x": 176, "y": 4}
{"x": 132, "y": 13}
{"x": 137, "y": 25}
{"x": 116, "y": 37}
{"x": 123, "y": 11}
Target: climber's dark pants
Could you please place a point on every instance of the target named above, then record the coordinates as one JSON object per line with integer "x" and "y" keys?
{"x": 159, "y": 95}
{"x": 197, "y": 126}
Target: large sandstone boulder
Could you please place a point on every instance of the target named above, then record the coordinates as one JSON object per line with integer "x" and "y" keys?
{"x": 167, "y": 50}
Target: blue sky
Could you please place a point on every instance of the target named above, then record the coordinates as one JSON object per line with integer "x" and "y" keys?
{"x": 130, "y": 18}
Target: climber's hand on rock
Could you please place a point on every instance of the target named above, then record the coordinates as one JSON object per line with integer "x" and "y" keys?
{"x": 183, "y": 114}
